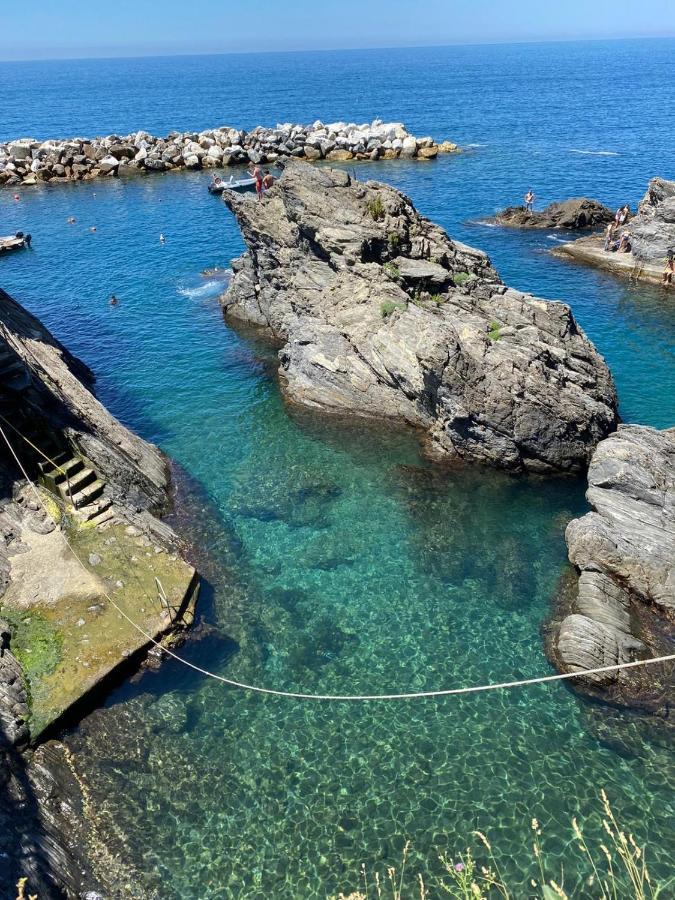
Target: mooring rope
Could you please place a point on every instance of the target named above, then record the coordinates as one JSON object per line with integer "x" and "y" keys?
{"x": 298, "y": 695}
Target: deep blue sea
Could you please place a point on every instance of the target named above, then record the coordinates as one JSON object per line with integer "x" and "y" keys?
{"x": 337, "y": 560}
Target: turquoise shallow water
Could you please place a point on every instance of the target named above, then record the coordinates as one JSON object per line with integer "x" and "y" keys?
{"x": 337, "y": 560}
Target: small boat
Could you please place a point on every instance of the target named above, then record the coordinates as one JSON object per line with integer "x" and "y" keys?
{"x": 239, "y": 185}
{"x": 14, "y": 242}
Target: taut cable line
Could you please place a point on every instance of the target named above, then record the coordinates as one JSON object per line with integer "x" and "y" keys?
{"x": 298, "y": 695}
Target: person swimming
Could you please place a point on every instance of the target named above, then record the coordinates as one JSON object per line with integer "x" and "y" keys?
{"x": 162, "y": 239}
{"x": 113, "y": 300}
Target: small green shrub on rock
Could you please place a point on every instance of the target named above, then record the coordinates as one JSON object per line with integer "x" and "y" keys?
{"x": 494, "y": 333}
{"x": 392, "y": 271}
{"x": 387, "y": 307}
{"x": 461, "y": 278}
{"x": 393, "y": 239}
{"x": 375, "y": 208}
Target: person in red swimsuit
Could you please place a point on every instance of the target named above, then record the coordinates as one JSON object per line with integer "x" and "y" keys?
{"x": 256, "y": 172}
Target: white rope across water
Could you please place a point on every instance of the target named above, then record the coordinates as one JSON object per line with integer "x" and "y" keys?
{"x": 298, "y": 695}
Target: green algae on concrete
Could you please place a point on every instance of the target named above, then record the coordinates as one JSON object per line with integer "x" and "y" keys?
{"x": 69, "y": 644}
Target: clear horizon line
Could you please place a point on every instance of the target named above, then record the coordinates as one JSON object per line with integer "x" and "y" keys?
{"x": 290, "y": 51}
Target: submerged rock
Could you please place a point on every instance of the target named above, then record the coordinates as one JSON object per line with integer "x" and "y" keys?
{"x": 579, "y": 212}
{"x": 623, "y": 605}
{"x": 380, "y": 314}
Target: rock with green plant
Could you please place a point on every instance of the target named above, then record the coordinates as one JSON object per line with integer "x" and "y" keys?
{"x": 380, "y": 314}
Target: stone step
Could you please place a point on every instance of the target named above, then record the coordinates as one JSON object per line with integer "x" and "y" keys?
{"x": 70, "y": 487}
{"x": 65, "y": 470}
{"x": 45, "y": 466}
{"x": 87, "y": 494}
{"x": 95, "y": 509}
{"x": 104, "y": 518}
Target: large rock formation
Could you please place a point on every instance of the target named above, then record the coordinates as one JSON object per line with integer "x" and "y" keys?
{"x": 380, "y": 314}
{"x": 623, "y": 604}
{"x": 651, "y": 233}
{"x": 577, "y": 213}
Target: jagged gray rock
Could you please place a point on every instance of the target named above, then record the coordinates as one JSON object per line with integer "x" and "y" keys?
{"x": 576, "y": 213}
{"x": 380, "y": 314}
{"x": 624, "y": 603}
{"x": 652, "y": 230}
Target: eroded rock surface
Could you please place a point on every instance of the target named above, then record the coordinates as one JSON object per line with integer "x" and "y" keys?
{"x": 652, "y": 230}
{"x": 577, "y": 213}
{"x": 380, "y": 314}
{"x": 623, "y": 606}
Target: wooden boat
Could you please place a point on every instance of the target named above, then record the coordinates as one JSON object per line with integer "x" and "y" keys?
{"x": 240, "y": 185}
{"x": 14, "y": 242}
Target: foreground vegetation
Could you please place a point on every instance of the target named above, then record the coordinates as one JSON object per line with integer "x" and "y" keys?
{"x": 616, "y": 869}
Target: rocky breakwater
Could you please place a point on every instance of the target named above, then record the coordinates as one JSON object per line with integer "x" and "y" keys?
{"x": 621, "y": 606}
{"x": 651, "y": 234}
{"x": 576, "y": 213}
{"x": 380, "y": 314}
{"x": 27, "y": 161}
{"x": 66, "y": 625}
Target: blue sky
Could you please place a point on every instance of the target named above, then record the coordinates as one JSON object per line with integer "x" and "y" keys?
{"x": 75, "y": 28}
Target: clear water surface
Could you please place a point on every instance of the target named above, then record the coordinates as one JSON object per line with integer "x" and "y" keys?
{"x": 337, "y": 560}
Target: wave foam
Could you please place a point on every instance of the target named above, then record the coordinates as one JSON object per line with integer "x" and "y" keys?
{"x": 595, "y": 152}
{"x": 205, "y": 291}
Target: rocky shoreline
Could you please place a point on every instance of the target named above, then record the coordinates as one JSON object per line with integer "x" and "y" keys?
{"x": 651, "y": 235}
{"x": 622, "y": 605}
{"x": 63, "y": 631}
{"x": 381, "y": 315}
{"x": 26, "y": 161}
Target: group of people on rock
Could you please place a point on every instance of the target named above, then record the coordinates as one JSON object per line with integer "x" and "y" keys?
{"x": 616, "y": 240}
{"x": 263, "y": 181}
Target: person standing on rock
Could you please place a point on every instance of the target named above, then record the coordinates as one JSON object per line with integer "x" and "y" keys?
{"x": 669, "y": 270}
{"x": 256, "y": 173}
{"x": 609, "y": 237}
{"x": 529, "y": 200}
